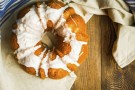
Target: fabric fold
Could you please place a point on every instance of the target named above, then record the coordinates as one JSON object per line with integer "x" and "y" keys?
{"x": 123, "y": 49}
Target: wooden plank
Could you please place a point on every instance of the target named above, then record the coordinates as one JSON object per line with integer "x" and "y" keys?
{"x": 100, "y": 71}
{"x": 113, "y": 77}
{"x": 89, "y": 73}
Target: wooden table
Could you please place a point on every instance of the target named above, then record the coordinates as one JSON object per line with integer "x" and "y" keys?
{"x": 100, "y": 71}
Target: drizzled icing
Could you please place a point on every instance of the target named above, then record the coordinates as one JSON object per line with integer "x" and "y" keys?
{"x": 24, "y": 53}
{"x": 47, "y": 13}
{"x": 76, "y": 49}
{"x": 29, "y": 30}
{"x": 76, "y": 46}
{"x": 42, "y": 14}
{"x": 32, "y": 61}
{"x": 45, "y": 64}
{"x": 57, "y": 63}
{"x": 73, "y": 56}
{"x": 29, "y": 33}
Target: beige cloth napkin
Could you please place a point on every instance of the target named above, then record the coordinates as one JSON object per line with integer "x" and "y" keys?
{"x": 118, "y": 11}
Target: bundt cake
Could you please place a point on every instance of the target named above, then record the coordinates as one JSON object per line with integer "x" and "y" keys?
{"x": 69, "y": 49}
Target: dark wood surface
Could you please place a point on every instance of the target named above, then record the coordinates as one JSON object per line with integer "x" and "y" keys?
{"x": 100, "y": 71}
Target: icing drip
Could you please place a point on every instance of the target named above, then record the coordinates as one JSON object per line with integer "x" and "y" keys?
{"x": 24, "y": 53}
{"x": 76, "y": 45}
{"x": 54, "y": 14}
{"x": 45, "y": 64}
{"x": 66, "y": 59}
{"x": 57, "y": 63}
{"x": 47, "y": 13}
{"x": 29, "y": 30}
{"x": 28, "y": 33}
{"x": 76, "y": 49}
{"x": 32, "y": 61}
{"x": 60, "y": 23}
{"x": 42, "y": 14}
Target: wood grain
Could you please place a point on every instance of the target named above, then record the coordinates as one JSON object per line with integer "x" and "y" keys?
{"x": 113, "y": 77}
{"x": 89, "y": 73}
{"x": 100, "y": 71}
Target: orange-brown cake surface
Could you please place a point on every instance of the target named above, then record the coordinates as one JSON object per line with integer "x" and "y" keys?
{"x": 69, "y": 50}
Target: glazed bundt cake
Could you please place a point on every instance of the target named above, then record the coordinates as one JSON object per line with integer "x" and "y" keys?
{"x": 69, "y": 49}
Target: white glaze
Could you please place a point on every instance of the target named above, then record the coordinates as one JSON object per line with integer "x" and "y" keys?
{"x": 45, "y": 64}
{"x": 42, "y": 14}
{"x": 76, "y": 47}
{"x": 54, "y": 14}
{"x": 47, "y": 13}
{"x": 29, "y": 32}
{"x": 32, "y": 61}
{"x": 66, "y": 59}
{"x": 57, "y": 63}
{"x": 66, "y": 32}
{"x": 24, "y": 53}
{"x": 60, "y": 23}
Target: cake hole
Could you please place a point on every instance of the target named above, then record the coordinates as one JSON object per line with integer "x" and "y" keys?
{"x": 49, "y": 40}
